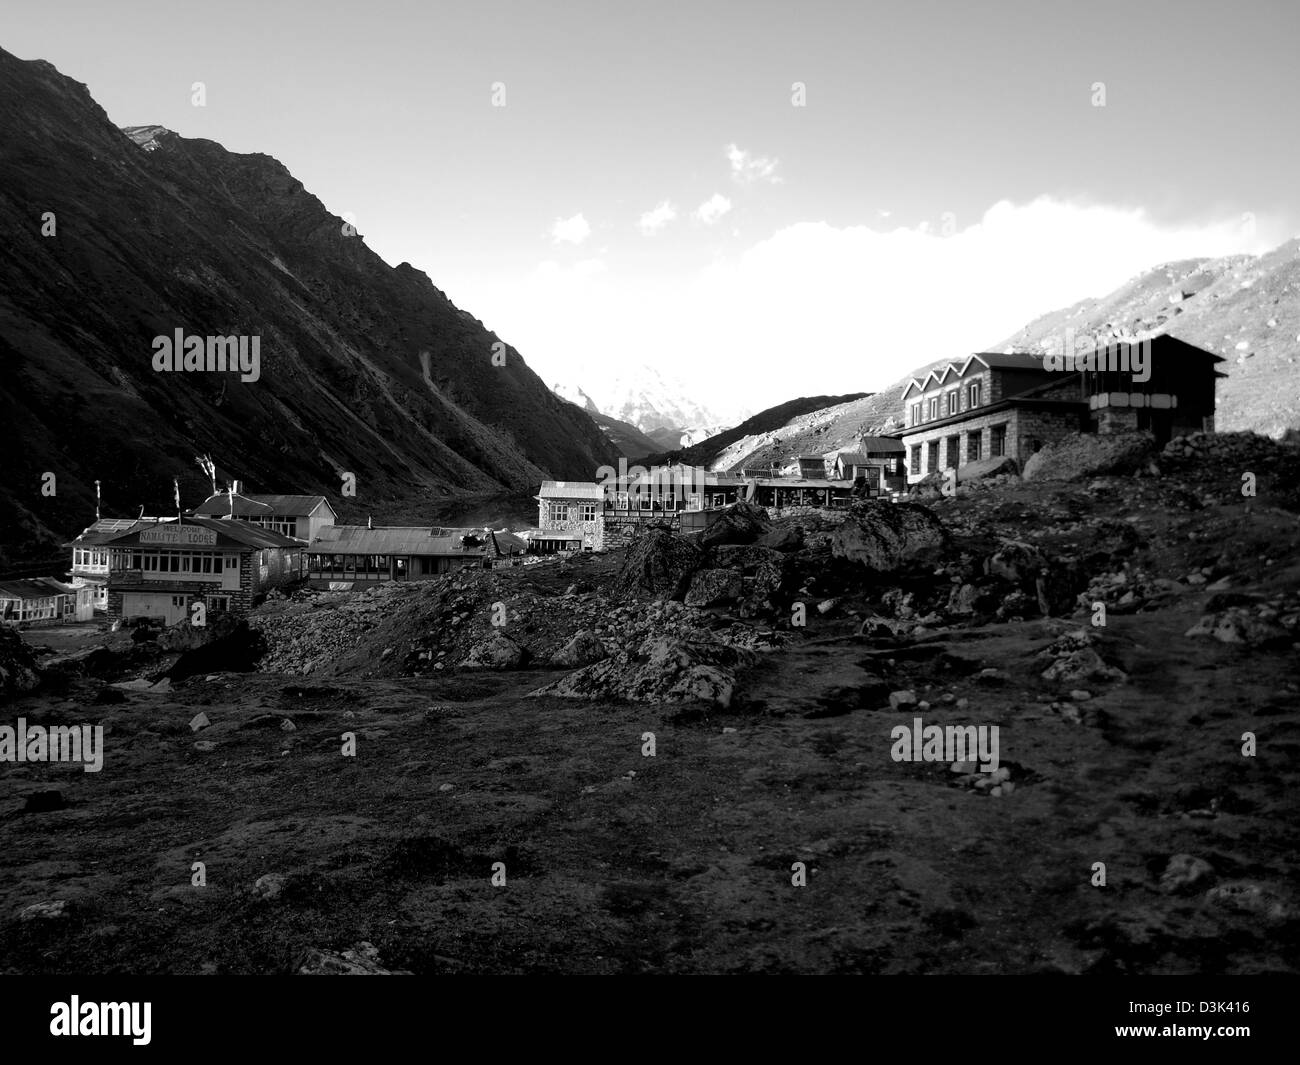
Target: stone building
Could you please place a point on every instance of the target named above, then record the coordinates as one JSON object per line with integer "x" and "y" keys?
{"x": 573, "y": 507}
{"x": 993, "y": 405}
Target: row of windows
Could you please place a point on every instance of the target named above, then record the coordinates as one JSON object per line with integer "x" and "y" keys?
{"x": 89, "y": 556}
{"x": 175, "y": 562}
{"x": 952, "y": 455}
{"x": 286, "y": 527}
{"x": 954, "y": 401}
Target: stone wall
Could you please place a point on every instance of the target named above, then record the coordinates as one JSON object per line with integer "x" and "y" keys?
{"x": 1024, "y": 425}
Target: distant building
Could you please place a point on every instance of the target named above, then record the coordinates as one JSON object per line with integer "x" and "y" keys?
{"x": 878, "y": 460}
{"x": 342, "y": 556}
{"x": 993, "y": 405}
{"x": 44, "y": 601}
{"x": 809, "y": 466}
{"x": 572, "y": 507}
{"x": 161, "y": 569}
{"x": 302, "y": 517}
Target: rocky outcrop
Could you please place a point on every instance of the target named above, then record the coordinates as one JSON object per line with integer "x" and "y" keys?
{"x": 1082, "y": 455}
{"x": 714, "y": 587}
{"x": 496, "y": 650}
{"x": 660, "y": 669}
{"x": 659, "y": 563}
{"x": 883, "y": 536}
{"x": 225, "y": 643}
{"x": 740, "y": 523}
{"x": 582, "y": 650}
{"x": 765, "y": 573}
{"x": 786, "y": 538}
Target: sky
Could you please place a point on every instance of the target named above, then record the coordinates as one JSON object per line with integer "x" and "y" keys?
{"x": 760, "y": 200}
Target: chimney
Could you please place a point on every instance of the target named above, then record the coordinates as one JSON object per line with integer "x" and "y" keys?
{"x": 237, "y": 487}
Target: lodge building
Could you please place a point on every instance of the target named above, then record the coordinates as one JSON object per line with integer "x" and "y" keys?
{"x": 160, "y": 569}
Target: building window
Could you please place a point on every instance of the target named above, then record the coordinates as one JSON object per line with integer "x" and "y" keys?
{"x": 719, "y": 499}
{"x": 644, "y": 500}
{"x": 934, "y": 407}
{"x": 954, "y": 451}
{"x": 975, "y": 394}
{"x": 559, "y": 512}
{"x": 588, "y": 511}
{"x": 915, "y": 458}
{"x": 916, "y": 414}
{"x": 954, "y": 402}
{"x": 218, "y": 604}
{"x": 997, "y": 441}
{"x": 621, "y": 501}
{"x": 932, "y": 459}
{"x": 973, "y": 445}
{"x": 696, "y": 502}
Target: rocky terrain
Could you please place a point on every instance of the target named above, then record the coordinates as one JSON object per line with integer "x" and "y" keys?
{"x": 114, "y": 238}
{"x": 649, "y": 740}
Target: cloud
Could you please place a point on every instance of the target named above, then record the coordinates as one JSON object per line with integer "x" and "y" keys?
{"x": 570, "y": 230}
{"x": 840, "y": 309}
{"x": 653, "y": 221}
{"x": 747, "y": 169}
{"x": 712, "y": 209}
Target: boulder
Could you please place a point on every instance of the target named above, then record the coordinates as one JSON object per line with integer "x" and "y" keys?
{"x": 1081, "y": 455}
{"x": 1001, "y": 466}
{"x": 18, "y": 669}
{"x": 496, "y": 650}
{"x": 767, "y": 573}
{"x": 582, "y": 650}
{"x": 711, "y": 587}
{"x": 658, "y": 563}
{"x": 883, "y": 536}
{"x": 225, "y": 644}
{"x": 788, "y": 538}
{"x": 740, "y": 523}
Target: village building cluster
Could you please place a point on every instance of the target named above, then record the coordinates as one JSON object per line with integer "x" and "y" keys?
{"x": 235, "y": 548}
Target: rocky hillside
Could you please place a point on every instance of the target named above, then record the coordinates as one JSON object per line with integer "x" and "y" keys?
{"x": 114, "y": 239}
{"x": 1245, "y": 308}
{"x": 762, "y": 434}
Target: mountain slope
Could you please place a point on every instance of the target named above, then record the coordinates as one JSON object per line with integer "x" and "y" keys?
{"x": 1243, "y": 307}
{"x": 762, "y": 430}
{"x": 365, "y": 368}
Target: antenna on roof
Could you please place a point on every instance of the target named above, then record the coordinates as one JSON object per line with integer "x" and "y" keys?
{"x": 97, "y": 501}
{"x": 370, "y": 523}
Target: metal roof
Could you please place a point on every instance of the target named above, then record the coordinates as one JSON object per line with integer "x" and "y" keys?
{"x": 269, "y": 506}
{"x": 400, "y": 540}
{"x": 571, "y": 490}
{"x": 34, "y": 588}
{"x": 239, "y": 531}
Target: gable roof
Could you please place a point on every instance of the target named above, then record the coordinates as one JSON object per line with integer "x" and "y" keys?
{"x": 991, "y": 360}
{"x": 270, "y": 506}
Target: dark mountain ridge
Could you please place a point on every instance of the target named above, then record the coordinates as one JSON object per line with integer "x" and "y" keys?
{"x": 114, "y": 238}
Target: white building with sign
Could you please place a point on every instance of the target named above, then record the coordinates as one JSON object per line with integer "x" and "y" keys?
{"x": 163, "y": 569}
